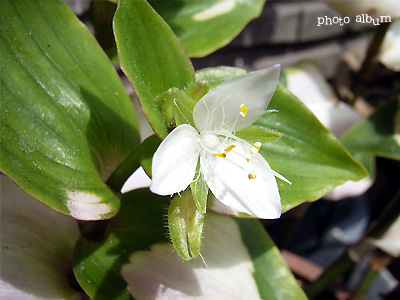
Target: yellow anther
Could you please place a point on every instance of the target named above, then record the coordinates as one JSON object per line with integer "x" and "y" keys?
{"x": 227, "y": 149}
{"x": 256, "y": 148}
{"x": 243, "y": 110}
{"x": 253, "y": 175}
{"x": 219, "y": 154}
{"x": 247, "y": 157}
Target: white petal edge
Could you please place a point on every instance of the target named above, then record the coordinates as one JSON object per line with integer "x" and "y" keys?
{"x": 160, "y": 274}
{"x": 390, "y": 49}
{"x": 220, "y": 109}
{"x": 390, "y": 242}
{"x": 174, "y": 163}
{"x": 228, "y": 179}
{"x": 374, "y": 8}
{"x": 306, "y": 81}
{"x": 137, "y": 180}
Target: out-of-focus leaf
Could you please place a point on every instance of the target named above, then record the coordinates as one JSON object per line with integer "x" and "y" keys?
{"x": 379, "y": 134}
{"x": 66, "y": 120}
{"x": 307, "y": 154}
{"x": 151, "y": 57}
{"x": 36, "y": 248}
{"x": 207, "y": 25}
{"x": 137, "y": 234}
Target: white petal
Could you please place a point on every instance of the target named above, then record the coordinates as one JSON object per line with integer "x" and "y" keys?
{"x": 228, "y": 179}
{"x": 175, "y": 161}
{"x": 309, "y": 85}
{"x": 220, "y": 109}
{"x": 390, "y": 242}
{"x": 36, "y": 248}
{"x": 390, "y": 49}
{"x": 159, "y": 274}
{"x": 374, "y": 8}
{"x": 349, "y": 189}
{"x": 137, "y": 180}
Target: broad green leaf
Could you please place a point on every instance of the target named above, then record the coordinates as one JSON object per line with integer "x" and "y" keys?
{"x": 66, "y": 120}
{"x": 307, "y": 154}
{"x": 205, "y": 26}
{"x": 151, "y": 57}
{"x": 216, "y": 76}
{"x": 185, "y": 223}
{"x": 136, "y": 234}
{"x": 377, "y": 135}
{"x": 36, "y": 248}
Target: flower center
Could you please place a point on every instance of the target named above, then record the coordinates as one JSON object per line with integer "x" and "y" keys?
{"x": 209, "y": 140}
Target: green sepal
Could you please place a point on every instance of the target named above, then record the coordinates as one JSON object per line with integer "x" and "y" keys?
{"x": 197, "y": 90}
{"x": 186, "y": 224}
{"x": 199, "y": 189}
{"x": 254, "y": 134}
{"x": 183, "y": 108}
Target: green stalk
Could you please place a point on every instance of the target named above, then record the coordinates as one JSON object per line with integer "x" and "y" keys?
{"x": 370, "y": 62}
{"x": 339, "y": 267}
{"x": 377, "y": 262}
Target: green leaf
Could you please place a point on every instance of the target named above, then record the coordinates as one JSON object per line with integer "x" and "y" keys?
{"x": 137, "y": 232}
{"x": 254, "y": 134}
{"x": 205, "y": 26}
{"x": 185, "y": 224}
{"x": 151, "y": 57}
{"x": 216, "y": 76}
{"x": 307, "y": 154}
{"x": 66, "y": 120}
{"x": 378, "y": 135}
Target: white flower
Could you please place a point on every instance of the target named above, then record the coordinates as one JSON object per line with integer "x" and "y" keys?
{"x": 390, "y": 242}
{"x": 374, "y": 8}
{"x": 235, "y": 172}
{"x": 389, "y": 53}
